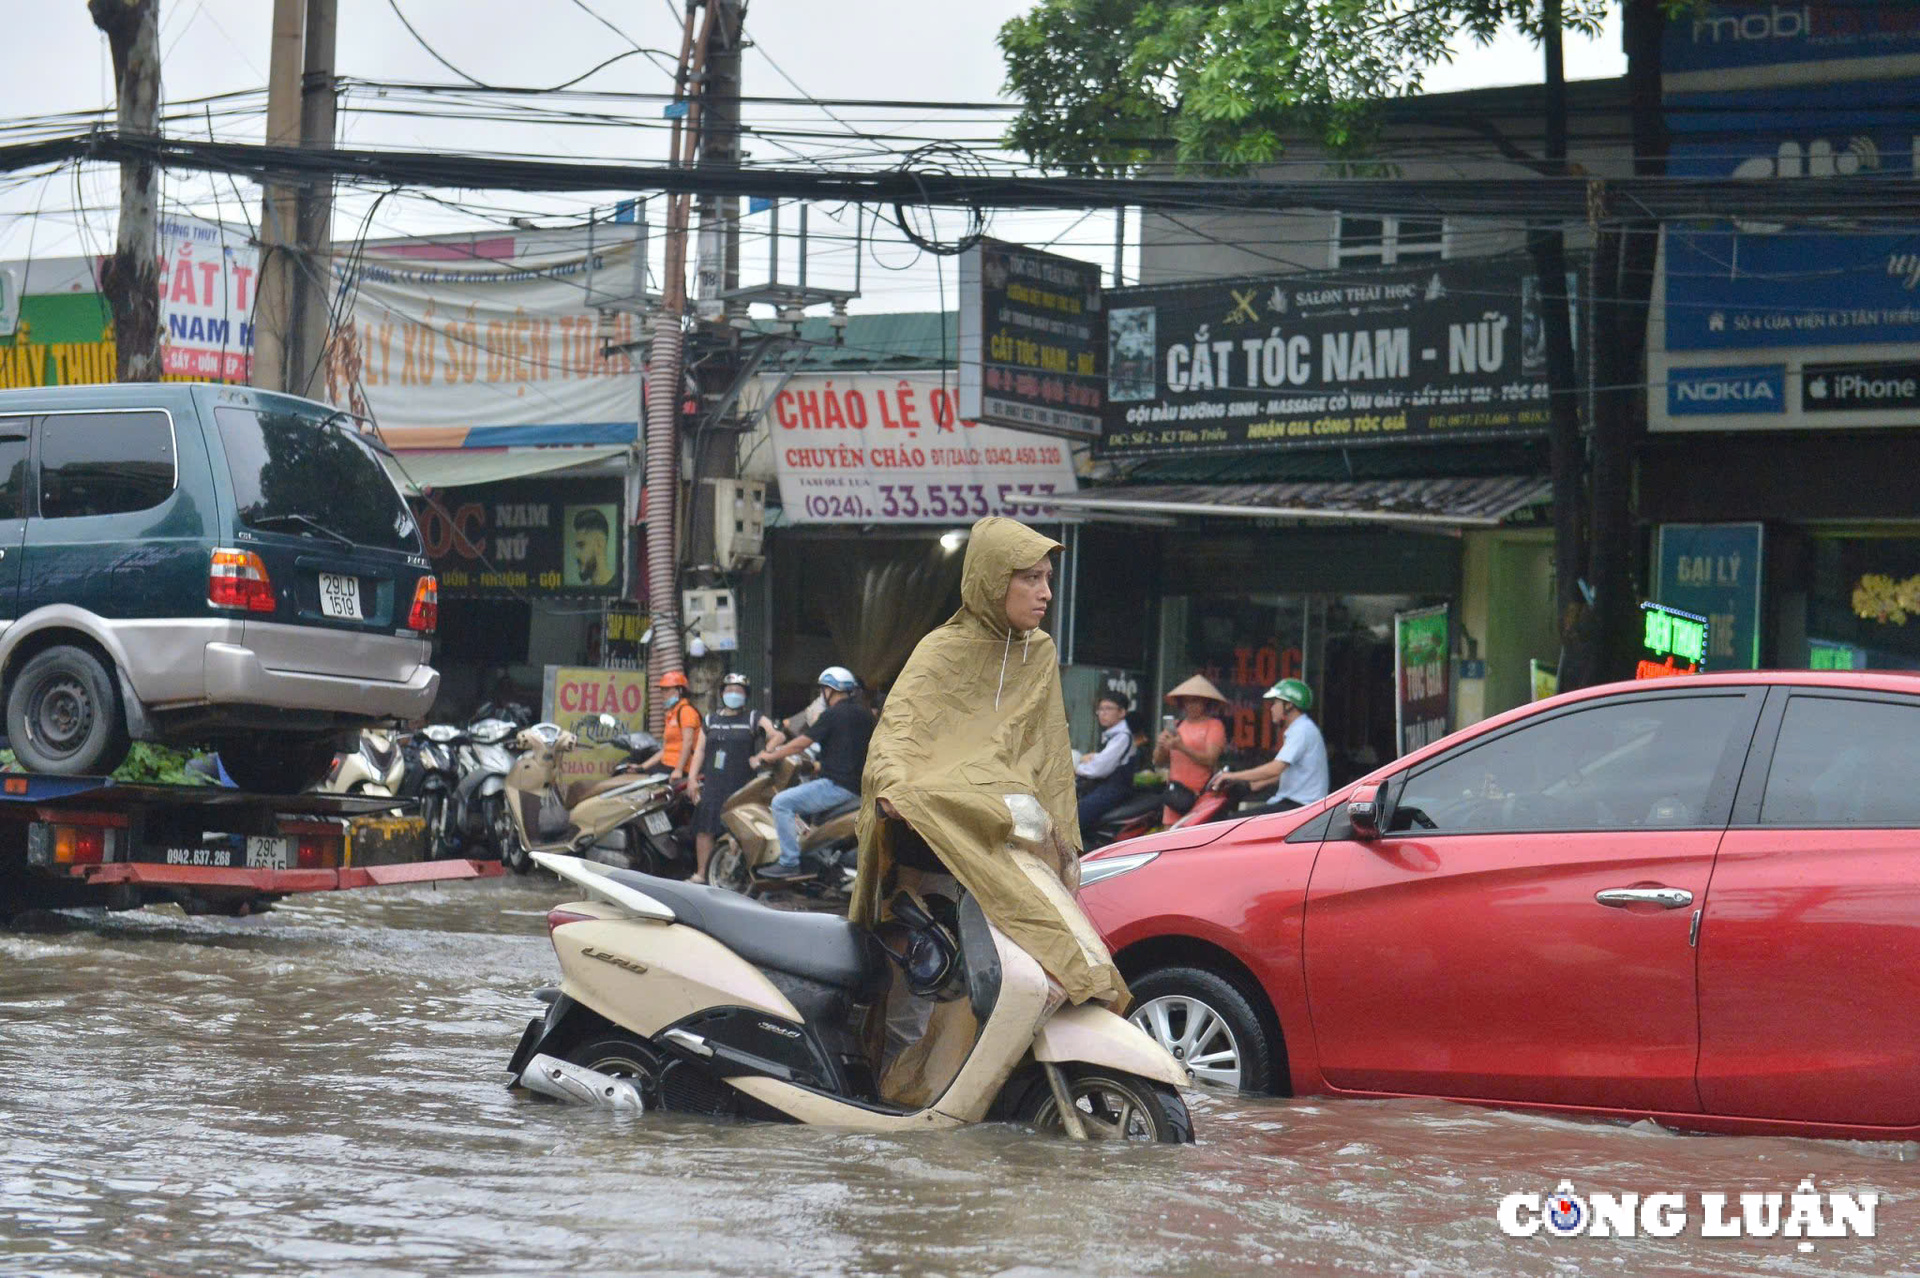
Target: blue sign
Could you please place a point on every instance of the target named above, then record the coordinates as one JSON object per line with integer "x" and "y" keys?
{"x": 1723, "y": 37}
{"x": 1703, "y": 392}
{"x": 755, "y": 204}
{"x": 1713, "y": 570}
{"x": 1741, "y": 286}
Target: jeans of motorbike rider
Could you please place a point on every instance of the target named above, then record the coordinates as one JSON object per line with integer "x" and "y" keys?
{"x": 810, "y": 798}
{"x": 1102, "y": 798}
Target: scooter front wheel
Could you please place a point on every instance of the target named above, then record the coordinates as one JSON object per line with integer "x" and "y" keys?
{"x": 1113, "y": 1106}
{"x": 727, "y": 867}
{"x": 506, "y": 839}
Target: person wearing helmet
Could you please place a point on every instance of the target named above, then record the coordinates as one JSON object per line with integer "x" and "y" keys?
{"x": 680, "y": 738}
{"x": 1298, "y": 773}
{"x": 842, "y": 731}
{"x": 734, "y": 734}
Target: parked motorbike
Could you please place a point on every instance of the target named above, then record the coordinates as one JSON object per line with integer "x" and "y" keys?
{"x": 477, "y": 821}
{"x": 691, "y": 998}
{"x": 594, "y": 823}
{"x": 829, "y": 844}
{"x": 430, "y": 779}
{"x": 1140, "y": 813}
{"x": 374, "y": 766}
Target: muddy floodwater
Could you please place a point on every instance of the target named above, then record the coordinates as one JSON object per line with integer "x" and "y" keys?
{"x": 319, "y": 1091}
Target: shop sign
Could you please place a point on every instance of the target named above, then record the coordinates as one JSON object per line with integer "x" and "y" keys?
{"x": 1831, "y": 654}
{"x": 1543, "y": 679}
{"x": 875, "y": 449}
{"x": 575, "y": 697}
{"x": 1031, "y": 342}
{"x": 1672, "y": 642}
{"x": 525, "y": 538}
{"x": 1701, "y": 392}
{"x": 1713, "y": 571}
{"x": 1422, "y": 703}
{"x": 1444, "y": 351}
{"x": 1842, "y": 388}
{"x": 1719, "y": 38}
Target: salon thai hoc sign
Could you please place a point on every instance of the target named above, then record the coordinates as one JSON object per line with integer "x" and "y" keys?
{"x": 1448, "y": 350}
{"x": 873, "y": 449}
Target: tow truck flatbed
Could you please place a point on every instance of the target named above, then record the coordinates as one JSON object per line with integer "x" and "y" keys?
{"x": 85, "y": 840}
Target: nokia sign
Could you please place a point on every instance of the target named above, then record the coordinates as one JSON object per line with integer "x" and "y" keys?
{"x": 1701, "y": 392}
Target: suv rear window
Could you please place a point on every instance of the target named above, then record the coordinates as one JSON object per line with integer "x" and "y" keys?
{"x": 296, "y": 473}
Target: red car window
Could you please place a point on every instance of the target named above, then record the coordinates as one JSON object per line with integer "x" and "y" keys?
{"x": 1844, "y": 762}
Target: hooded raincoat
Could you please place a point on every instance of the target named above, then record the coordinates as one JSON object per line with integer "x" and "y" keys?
{"x": 975, "y": 720}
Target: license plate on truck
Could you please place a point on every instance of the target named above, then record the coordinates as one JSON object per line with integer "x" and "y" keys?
{"x": 340, "y": 596}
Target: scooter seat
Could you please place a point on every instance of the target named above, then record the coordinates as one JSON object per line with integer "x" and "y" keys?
{"x": 820, "y": 819}
{"x": 1133, "y": 806}
{"x": 818, "y": 947}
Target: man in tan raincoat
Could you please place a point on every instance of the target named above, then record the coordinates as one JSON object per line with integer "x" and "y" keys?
{"x": 976, "y": 717}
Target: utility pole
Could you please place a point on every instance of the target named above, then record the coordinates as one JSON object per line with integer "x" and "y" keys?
{"x": 131, "y": 277}
{"x": 717, "y": 260}
{"x": 290, "y": 313}
{"x": 664, "y": 370}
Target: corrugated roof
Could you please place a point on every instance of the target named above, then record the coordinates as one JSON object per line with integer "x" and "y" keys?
{"x": 1483, "y": 501}
{"x": 899, "y": 339}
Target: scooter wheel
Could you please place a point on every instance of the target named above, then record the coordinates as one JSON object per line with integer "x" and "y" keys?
{"x": 623, "y": 1056}
{"x": 727, "y": 867}
{"x": 1113, "y": 1106}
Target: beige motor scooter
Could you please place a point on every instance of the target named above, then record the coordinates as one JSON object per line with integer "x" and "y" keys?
{"x": 589, "y": 821}
{"x": 751, "y": 842}
{"x": 695, "y": 999}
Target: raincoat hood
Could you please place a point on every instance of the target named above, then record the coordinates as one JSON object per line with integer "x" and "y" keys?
{"x": 975, "y": 718}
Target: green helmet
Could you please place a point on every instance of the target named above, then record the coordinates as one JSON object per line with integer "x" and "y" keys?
{"x": 1293, "y": 690}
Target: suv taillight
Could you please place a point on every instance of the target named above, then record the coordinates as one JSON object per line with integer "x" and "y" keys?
{"x": 426, "y": 606}
{"x": 238, "y": 579}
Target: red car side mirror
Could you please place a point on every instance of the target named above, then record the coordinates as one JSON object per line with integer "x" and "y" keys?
{"x": 1366, "y": 810}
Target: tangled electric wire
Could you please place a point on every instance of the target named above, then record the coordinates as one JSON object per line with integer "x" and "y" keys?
{"x": 941, "y": 159}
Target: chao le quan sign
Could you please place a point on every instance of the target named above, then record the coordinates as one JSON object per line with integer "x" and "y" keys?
{"x": 1442, "y": 351}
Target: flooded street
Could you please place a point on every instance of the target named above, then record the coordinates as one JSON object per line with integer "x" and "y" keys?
{"x": 319, "y": 1091}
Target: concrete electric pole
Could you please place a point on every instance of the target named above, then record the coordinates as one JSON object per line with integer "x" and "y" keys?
{"x": 296, "y": 276}
{"x": 131, "y": 277}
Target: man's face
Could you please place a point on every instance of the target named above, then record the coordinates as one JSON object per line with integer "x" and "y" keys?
{"x": 1279, "y": 710}
{"x": 589, "y": 552}
{"x": 1029, "y": 594}
{"x": 1108, "y": 713}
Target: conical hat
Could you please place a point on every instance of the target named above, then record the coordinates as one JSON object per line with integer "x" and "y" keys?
{"x": 1197, "y": 687}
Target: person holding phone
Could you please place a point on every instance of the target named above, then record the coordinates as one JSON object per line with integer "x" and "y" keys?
{"x": 1190, "y": 747}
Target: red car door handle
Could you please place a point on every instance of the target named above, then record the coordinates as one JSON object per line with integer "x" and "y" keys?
{"x": 1666, "y": 898}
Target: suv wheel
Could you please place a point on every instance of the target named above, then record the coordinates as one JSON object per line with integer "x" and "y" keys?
{"x": 272, "y": 764}
{"x": 64, "y": 715}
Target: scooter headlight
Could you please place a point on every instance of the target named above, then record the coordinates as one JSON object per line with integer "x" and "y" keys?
{"x": 1108, "y": 867}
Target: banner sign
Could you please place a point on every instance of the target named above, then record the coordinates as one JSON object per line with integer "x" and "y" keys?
{"x": 1422, "y": 704}
{"x": 1713, "y": 571}
{"x": 496, "y": 337}
{"x": 1444, "y": 351}
{"x": 871, "y": 448}
{"x": 528, "y": 537}
{"x": 1718, "y": 38}
{"x": 208, "y": 274}
{"x": 1030, "y": 340}
{"x": 575, "y": 697}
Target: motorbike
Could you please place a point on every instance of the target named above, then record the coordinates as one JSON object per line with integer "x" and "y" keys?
{"x": 591, "y": 818}
{"x": 430, "y": 779}
{"x": 694, "y": 999}
{"x": 1140, "y": 813}
{"x": 828, "y": 843}
{"x": 477, "y": 818}
{"x": 374, "y": 766}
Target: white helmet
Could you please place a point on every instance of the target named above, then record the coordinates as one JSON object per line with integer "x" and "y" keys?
{"x": 839, "y": 678}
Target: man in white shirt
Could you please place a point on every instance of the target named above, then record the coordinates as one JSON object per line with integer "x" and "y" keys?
{"x": 1103, "y": 777}
{"x": 1298, "y": 773}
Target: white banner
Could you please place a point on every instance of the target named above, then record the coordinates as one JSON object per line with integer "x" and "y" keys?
{"x": 447, "y": 336}
{"x": 208, "y": 273}
{"x": 874, "y": 448}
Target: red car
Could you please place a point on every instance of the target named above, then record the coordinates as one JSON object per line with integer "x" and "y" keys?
{"x": 1695, "y": 899}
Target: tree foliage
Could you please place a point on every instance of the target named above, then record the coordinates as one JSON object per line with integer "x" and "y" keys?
{"x": 1110, "y": 85}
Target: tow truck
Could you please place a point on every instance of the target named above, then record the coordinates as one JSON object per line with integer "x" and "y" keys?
{"x": 94, "y": 841}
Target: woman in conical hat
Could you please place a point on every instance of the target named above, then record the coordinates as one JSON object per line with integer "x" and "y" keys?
{"x": 1191, "y": 749}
